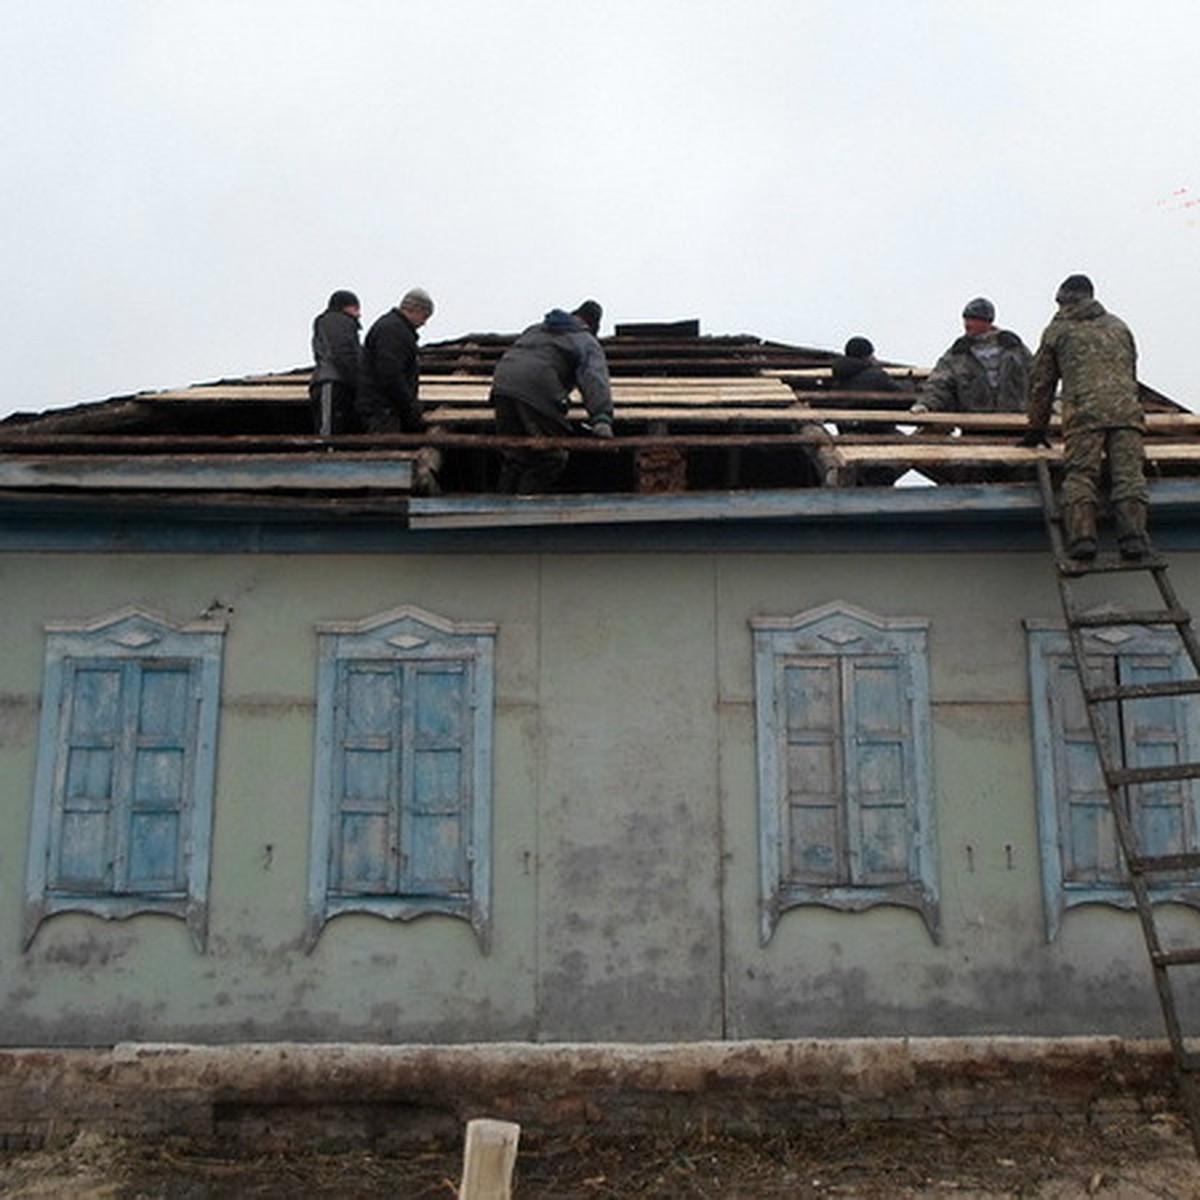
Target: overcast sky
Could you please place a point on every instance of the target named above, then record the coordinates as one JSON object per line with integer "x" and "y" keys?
{"x": 187, "y": 180}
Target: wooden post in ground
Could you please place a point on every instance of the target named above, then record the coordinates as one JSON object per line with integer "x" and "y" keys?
{"x": 489, "y": 1156}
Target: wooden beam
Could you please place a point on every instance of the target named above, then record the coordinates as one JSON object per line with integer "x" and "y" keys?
{"x": 226, "y": 472}
{"x": 489, "y": 1156}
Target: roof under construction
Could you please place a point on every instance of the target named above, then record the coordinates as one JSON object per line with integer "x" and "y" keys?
{"x": 694, "y": 414}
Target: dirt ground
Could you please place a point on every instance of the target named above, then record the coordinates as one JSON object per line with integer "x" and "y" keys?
{"x": 1138, "y": 1160}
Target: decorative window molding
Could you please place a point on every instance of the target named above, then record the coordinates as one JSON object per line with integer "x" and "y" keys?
{"x": 402, "y": 775}
{"x": 123, "y": 798}
{"x": 1081, "y": 860}
{"x": 845, "y": 778}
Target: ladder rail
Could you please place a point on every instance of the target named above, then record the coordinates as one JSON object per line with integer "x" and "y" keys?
{"x": 1119, "y": 780}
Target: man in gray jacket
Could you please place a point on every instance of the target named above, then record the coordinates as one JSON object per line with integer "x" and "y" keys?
{"x": 531, "y": 387}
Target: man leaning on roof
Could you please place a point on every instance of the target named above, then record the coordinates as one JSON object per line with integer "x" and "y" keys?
{"x": 531, "y": 390}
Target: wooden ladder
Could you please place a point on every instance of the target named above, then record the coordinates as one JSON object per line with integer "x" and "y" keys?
{"x": 1104, "y": 699}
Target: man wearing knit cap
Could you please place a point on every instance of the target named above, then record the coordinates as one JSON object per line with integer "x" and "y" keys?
{"x": 531, "y": 390}
{"x": 1093, "y": 353}
{"x": 335, "y": 372}
{"x": 985, "y": 370}
{"x": 387, "y": 382}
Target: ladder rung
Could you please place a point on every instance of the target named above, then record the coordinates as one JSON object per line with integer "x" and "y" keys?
{"x": 1152, "y": 864}
{"x": 1159, "y": 616}
{"x": 1176, "y": 958}
{"x": 1124, "y": 776}
{"x": 1142, "y": 691}
{"x": 1108, "y": 564}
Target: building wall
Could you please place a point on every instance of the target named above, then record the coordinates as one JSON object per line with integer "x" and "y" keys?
{"x": 625, "y": 841}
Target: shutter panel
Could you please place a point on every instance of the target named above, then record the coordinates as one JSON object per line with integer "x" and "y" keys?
{"x": 365, "y": 835}
{"x": 438, "y": 800}
{"x": 812, "y": 754}
{"x": 162, "y": 715}
{"x": 1086, "y": 827}
{"x": 1155, "y": 736}
{"x": 87, "y": 786}
{"x": 879, "y": 773}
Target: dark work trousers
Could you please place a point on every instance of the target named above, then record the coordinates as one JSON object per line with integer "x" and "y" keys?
{"x": 523, "y": 469}
{"x": 333, "y": 408}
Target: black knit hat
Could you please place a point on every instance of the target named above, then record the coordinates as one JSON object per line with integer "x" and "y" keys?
{"x": 590, "y": 312}
{"x": 342, "y": 299}
{"x": 859, "y": 347}
{"x": 1074, "y": 287}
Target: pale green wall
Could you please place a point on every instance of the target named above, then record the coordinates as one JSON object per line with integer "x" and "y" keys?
{"x": 625, "y": 873}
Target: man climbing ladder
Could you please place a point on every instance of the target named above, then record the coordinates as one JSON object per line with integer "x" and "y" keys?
{"x": 1093, "y": 353}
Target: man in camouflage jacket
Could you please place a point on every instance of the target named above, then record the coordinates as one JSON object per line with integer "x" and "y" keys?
{"x": 1094, "y": 354}
{"x": 985, "y": 370}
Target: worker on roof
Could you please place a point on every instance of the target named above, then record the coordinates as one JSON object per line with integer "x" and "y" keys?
{"x": 389, "y": 379}
{"x": 336, "y": 352}
{"x": 857, "y": 369}
{"x": 531, "y": 387}
{"x": 1094, "y": 354}
{"x": 985, "y": 370}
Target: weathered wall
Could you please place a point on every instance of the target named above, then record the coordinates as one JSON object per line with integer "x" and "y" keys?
{"x": 625, "y": 869}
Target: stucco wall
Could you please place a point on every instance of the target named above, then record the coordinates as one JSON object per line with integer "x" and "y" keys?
{"x": 625, "y": 873}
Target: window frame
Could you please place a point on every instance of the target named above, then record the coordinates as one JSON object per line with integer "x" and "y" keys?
{"x": 1050, "y": 655}
{"x": 140, "y": 641}
{"x": 837, "y": 635}
{"x": 405, "y": 639}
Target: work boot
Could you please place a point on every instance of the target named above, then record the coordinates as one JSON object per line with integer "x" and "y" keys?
{"x": 1080, "y": 521}
{"x": 1130, "y": 517}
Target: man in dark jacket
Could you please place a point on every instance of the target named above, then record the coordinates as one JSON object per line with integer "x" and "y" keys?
{"x": 531, "y": 387}
{"x": 387, "y": 383}
{"x": 1093, "y": 353}
{"x": 858, "y": 369}
{"x": 335, "y": 373}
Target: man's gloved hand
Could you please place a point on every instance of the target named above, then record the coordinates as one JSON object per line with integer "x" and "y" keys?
{"x": 1032, "y": 438}
{"x": 602, "y": 429}
{"x": 918, "y": 407}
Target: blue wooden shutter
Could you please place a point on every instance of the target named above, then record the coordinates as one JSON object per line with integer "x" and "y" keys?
{"x": 1089, "y": 847}
{"x": 879, "y": 775}
{"x": 88, "y": 779}
{"x": 123, "y": 791}
{"x": 162, "y": 719}
{"x": 1155, "y": 735}
{"x": 434, "y": 837}
{"x": 402, "y": 814}
{"x": 813, "y": 774}
{"x": 365, "y": 843}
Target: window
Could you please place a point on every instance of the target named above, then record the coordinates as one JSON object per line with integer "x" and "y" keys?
{"x": 1081, "y": 860}
{"x": 123, "y": 798}
{"x": 402, "y": 788}
{"x": 844, "y": 763}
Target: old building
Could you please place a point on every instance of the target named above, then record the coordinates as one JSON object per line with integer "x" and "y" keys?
{"x": 727, "y": 739}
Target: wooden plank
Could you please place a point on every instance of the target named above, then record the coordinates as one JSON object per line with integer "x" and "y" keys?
{"x": 489, "y": 1156}
{"x": 972, "y": 451}
{"x": 230, "y": 472}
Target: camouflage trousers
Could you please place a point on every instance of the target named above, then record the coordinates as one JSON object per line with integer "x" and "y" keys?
{"x": 1084, "y": 453}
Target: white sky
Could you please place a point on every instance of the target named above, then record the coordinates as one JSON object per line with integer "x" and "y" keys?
{"x": 187, "y": 180}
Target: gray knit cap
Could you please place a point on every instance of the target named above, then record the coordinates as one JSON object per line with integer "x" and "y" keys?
{"x": 417, "y": 298}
